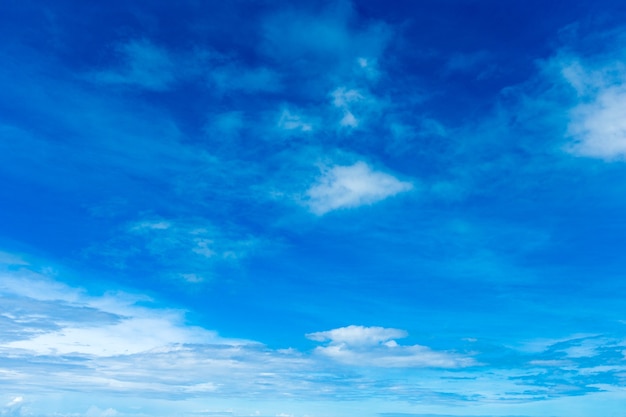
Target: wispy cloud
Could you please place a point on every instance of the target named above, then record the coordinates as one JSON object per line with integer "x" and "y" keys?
{"x": 106, "y": 343}
{"x": 597, "y": 119}
{"x": 352, "y": 186}
{"x": 598, "y": 128}
{"x": 184, "y": 249}
{"x": 13, "y": 408}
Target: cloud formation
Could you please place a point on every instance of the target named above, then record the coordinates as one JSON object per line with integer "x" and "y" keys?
{"x": 376, "y": 347}
{"x": 597, "y": 125}
{"x": 598, "y": 128}
{"x": 352, "y": 186}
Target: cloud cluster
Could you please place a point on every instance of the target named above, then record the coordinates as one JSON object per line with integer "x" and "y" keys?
{"x": 116, "y": 342}
{"x": 376, "y": 347}
{"x": 68, "y": 339}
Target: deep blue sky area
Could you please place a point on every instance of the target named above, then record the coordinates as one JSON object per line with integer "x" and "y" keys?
{"x": 312, "y": 209}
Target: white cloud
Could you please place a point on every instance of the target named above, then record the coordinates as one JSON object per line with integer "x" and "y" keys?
{"x": 130, "y": 336}
{"x": 356, "y": 107}
{"x": 597, "y": 125}
{"x": 352, "y": 186}
{"x": 343, "y": 97}
{"x": 115, "y": 325}
{"x": 13, "y": 408}
{"x": 358, "y": 335}
{"x": 349, "y": 120}
{"x": 376, "y": 347}
{"x": 598, "y": 128}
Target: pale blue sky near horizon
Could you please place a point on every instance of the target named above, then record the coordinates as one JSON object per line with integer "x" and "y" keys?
{"x": 321, "y": 208}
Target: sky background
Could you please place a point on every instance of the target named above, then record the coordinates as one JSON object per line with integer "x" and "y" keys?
{"x": 314, "y": 208}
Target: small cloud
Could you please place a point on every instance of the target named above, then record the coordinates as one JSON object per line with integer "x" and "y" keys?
{"x": 368, "y": 67}
{"x": 352, "y": 186}
{"x": 192, "y": 278}
{"x": 598, "y": 128}
{"x": 349, "y": 120}
{"x": 342, "y": 97}
{"x": 375, "y": 346}
{"x": 597, "y": 120}
{"x": 290, "y": 121}
{"x": 355, "y": 106}
{"x": 146, "y": 226}
{"x": 358, "y": 335}
{"x": 184, "y": 249}
{"x": 15, "y": 401}
{"x": 13, "y": 408}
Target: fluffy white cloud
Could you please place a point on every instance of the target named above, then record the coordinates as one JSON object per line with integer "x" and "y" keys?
{"x": 111, "y": 343}
{"x": 75, "y": 323}
{"x": 597, "y": 124}
{"x": 376, "y": 347}
{"x": 358, "y": 335}
{"x": 352, "y": 186}
{"x": 599, "y": 127}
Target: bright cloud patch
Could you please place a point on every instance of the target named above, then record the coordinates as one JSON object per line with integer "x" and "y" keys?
{"x": 358, "y": 335}
{"x": 599, "y": 128}
{"x": 375, "y": 346}
{"x": 78, "y": 324}
{"x": 598, "y": 123}
{"x": 352, "y": 186}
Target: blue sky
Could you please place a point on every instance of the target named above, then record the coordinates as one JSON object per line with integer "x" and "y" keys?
{"x": 319, "y": 208}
